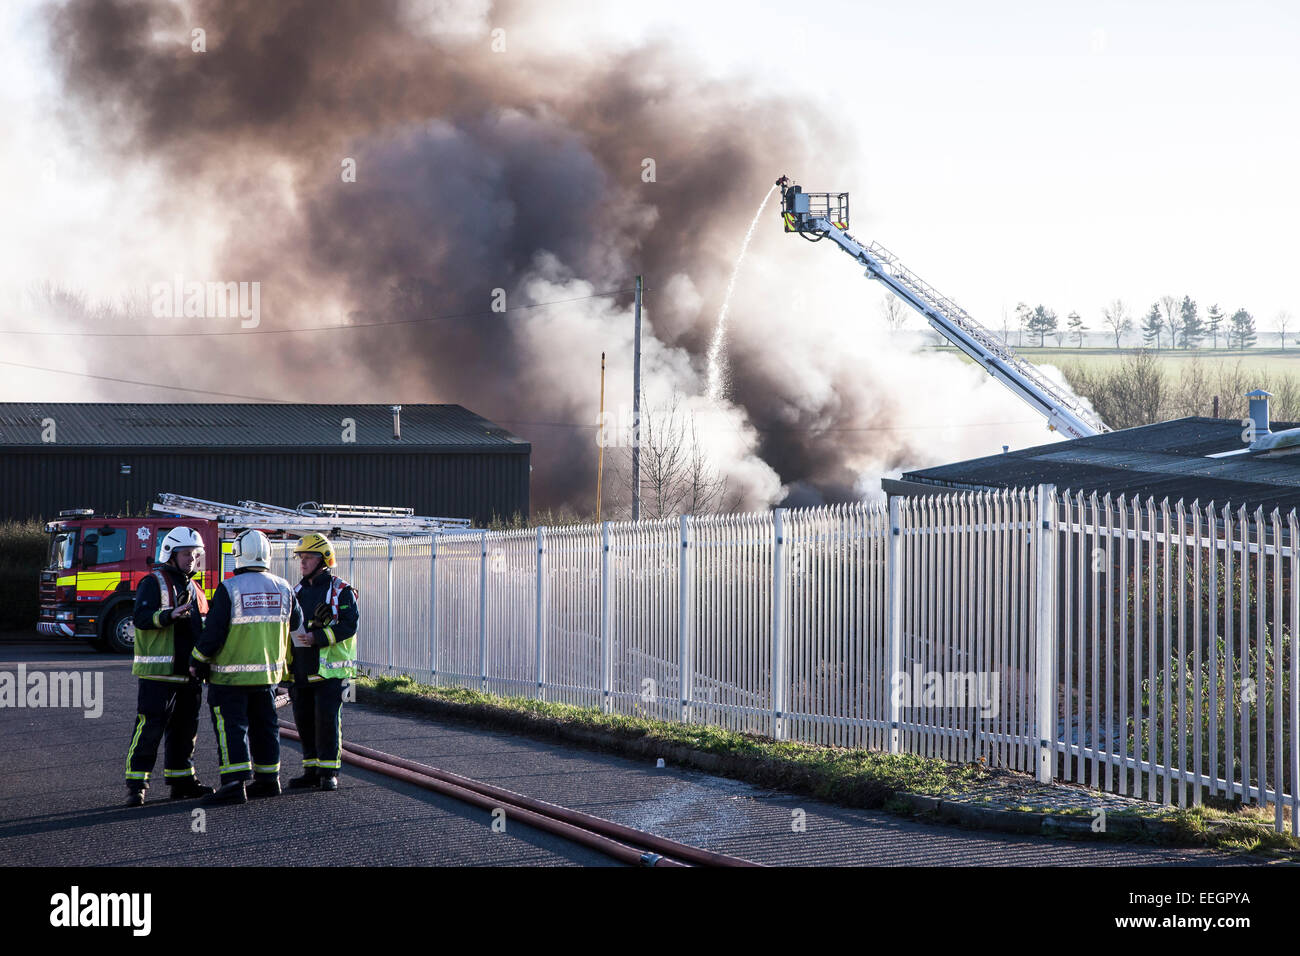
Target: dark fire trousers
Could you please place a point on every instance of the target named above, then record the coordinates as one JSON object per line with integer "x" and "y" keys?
{"x": 318, "y": 712}
{"x": 161, "y": 706}
{"x": 248, "y": 732}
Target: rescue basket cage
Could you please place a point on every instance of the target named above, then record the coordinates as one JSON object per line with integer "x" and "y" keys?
{"x": 802, "y": 209}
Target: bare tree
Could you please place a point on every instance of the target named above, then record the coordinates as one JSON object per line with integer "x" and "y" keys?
{"x": 894, "y": 311}
{"x": 703, "y": 489}
{"x": 1132, "y": 392}
{"x": 663, "y": 458}
{"x": 1280, "y": 323}
{"x": 676, "y": 477}
{"x": 1173, "y": 317}
{"x": 1192, "y": 393}
{"x": 1137, "y": 391}
{"x": 1023, "y": 314}
{"x": 1117, "y": 317}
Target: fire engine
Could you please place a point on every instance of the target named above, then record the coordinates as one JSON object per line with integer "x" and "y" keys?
{"x": 96, "y": 562}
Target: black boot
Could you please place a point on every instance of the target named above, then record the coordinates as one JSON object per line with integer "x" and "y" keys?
{"x": 329, "y": 783}
{"x": 134, "y": 796}
{"x": 232, "y": 792}
{"x": 266, "y": 787}
{"x": 308, "y": 779}
{"x": 187, "y": 788}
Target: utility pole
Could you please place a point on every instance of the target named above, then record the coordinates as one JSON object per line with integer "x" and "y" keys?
{"x": 636, "y": 409}
{"x": 600, "y": 437}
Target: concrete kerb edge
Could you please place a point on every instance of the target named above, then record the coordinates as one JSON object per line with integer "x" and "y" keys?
{"x": 1032, "y": 822}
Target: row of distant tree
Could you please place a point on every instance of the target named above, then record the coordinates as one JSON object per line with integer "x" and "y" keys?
{"x": 1169, "y": 323}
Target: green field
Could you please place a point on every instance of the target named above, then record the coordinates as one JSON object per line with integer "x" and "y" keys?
{"x": 1137, "y": 387}
{"x": 1271, "y": 362}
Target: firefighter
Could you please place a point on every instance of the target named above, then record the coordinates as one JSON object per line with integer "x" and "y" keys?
{"x": 168, "y": 620}
{"x": 324, "y": 661}
{"x": 242, "y": 653}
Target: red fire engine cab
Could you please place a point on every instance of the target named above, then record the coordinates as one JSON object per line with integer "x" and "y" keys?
{"x": 96, "y": 563}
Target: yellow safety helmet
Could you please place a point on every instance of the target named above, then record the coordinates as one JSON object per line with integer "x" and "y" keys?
{"x": 317, "y": 544}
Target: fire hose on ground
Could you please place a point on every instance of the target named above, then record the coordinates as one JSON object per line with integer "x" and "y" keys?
{"x": 622, "y": 843}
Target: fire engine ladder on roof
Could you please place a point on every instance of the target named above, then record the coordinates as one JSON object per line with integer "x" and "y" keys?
{"x": 826, "y": 215}
{"x": 360, "y": 521}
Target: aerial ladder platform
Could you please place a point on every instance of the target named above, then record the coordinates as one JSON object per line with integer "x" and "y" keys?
{"x": 826, "y": 216}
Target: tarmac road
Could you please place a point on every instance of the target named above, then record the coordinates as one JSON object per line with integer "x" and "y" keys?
{"x": 61, "y": 788}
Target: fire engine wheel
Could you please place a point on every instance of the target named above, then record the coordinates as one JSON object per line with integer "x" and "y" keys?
{"x": 119, "y": 632}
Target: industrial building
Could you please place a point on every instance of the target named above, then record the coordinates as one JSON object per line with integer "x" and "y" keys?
{"x": 441, "y": 460}
{"x": 1195, "y": 459}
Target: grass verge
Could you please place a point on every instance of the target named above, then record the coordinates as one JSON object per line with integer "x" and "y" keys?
{"x": 859, "y": 778}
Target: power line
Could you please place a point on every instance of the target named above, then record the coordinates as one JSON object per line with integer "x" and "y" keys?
{"x": 315, "y": 328}
{"x": 129, "y": 381}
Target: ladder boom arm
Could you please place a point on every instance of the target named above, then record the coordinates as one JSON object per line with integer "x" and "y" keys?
{"x": 1062, "y": 410}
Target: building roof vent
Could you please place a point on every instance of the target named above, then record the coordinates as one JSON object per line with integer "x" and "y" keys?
{"x": 1259, "y": 410}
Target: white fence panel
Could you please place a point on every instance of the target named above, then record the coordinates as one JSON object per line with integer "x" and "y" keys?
{"x": 1179, "y": 660}
{"x": 1166, "y": 630}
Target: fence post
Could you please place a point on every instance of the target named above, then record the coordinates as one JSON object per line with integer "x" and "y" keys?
{"x": 685, "y": 619}
{"x": 606, "y": 623}
{"x": 1045, "y": 633}
{"x": 392, "y": 666}
{"x": 540, "y": 628}
{"x": 482, "y": 611}
{"x": 894, "y": 600}
{"x": 778, "y": 623}
{"x": 433, "y": 609}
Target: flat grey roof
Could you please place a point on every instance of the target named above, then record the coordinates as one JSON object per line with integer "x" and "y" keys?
{"x": 249, "y": 427}
{"x": 1167, "y": 459}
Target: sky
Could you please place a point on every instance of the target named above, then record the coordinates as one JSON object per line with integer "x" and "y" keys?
{"x": 1067, "y": 153}
{"x": 1064, "y": 154}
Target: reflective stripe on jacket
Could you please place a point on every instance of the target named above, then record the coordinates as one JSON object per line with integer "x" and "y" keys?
{"x": 252, "y": 650}
{"x": 156, "y": 654}
{"x": 337, "y": 658}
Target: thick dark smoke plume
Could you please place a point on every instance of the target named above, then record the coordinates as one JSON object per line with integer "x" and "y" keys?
{"x": 476, "y": 170}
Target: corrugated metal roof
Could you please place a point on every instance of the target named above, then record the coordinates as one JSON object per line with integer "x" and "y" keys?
{"x": 1167, "y": 459}
{"x": 246, "y": 426}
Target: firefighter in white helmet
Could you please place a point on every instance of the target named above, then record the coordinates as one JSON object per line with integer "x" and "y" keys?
{"x": 324, "y": 662}
{"x": 242, "y": 654}
{"x": 169, "y": 605}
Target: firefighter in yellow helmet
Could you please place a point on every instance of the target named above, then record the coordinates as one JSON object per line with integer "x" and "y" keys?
{"x": 324, "y": 662}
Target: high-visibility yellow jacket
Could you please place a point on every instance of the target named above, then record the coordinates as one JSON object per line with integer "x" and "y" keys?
{"x": 162, "y": 646}
{"x": 245, "y": 639}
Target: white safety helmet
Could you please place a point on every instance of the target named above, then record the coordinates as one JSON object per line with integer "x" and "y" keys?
{"x": 252, "y": 550}
{"x": 181, "y": 537}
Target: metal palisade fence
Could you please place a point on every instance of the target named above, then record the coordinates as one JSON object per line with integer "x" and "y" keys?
{"x": 1139, "y": 647}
